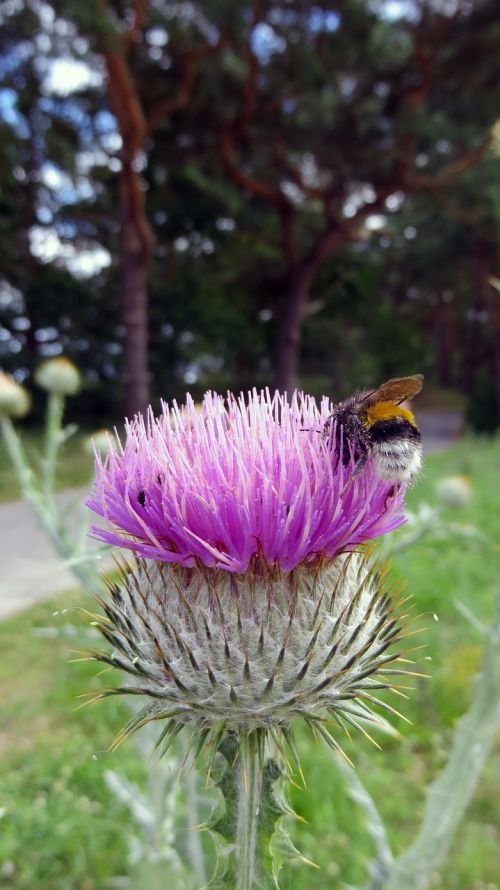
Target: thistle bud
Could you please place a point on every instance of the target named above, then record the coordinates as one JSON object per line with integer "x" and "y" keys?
{"x": 59, "y": 375}
{"x": 15, "y": 400}
{"x": 495, "y": 137}
{"x": 101, "y": 442}
{"x": 454, "y": 491}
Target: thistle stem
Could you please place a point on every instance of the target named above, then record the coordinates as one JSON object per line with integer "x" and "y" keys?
{"x": 44, "y": 503}
{"x": 249, "y": 786}
{"x": 16, "y": 454}
{"x": 55, "y": 410}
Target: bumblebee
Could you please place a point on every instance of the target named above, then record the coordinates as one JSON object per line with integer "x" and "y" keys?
{"x": 375, "y": 426}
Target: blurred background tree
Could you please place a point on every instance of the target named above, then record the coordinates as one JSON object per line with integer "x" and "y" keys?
{"x": 276, "y": 188}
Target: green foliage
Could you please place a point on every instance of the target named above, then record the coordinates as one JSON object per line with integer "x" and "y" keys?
{"x": 63, "y": 828}
{"x": 336, "y": 100}
{"x": 60, "y": 827}
{"x": 482, "y": 404}
{"x": 75, "y": 464}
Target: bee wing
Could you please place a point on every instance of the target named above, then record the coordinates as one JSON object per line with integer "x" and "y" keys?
{"x": 397, "y": 390}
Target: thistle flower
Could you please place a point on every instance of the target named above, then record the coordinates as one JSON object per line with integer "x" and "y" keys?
{"x": 59, "y": 375}
{"x": 249, "y": 604}
{"x": 238, "y": 481}
{"x": 15, "y": 400}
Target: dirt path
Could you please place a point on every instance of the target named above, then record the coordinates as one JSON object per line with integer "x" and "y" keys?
{"x": 32, "y": 571}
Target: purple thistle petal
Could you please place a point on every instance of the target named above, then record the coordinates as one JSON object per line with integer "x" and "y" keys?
{"x": 241, "y": 477}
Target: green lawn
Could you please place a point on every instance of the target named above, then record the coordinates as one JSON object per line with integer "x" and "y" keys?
{"x": 75, "y": 465}
{"x": 60, "y": 829}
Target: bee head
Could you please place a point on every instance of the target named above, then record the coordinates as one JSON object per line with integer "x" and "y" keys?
{"x": 378, "y": 412}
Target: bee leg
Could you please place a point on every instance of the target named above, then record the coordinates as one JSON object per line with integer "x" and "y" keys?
{"x": 361, "y": 464}
{"x": 327, "y": 427}
{"x": 390, "y": 495}
{"x": 358, "y": 469}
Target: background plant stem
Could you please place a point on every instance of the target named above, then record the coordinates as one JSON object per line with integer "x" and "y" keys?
{"x": 53, "y": 436}
{"x": 450, "y": 793}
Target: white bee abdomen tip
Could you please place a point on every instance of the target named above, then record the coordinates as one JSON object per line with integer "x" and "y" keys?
{"x": 398, "y": 462}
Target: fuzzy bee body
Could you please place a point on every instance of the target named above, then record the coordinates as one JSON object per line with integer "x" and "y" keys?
{"x": 374, "y": 426}
{"x": 396, "y": 450}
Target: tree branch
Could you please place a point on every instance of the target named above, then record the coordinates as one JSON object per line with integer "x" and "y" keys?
{"x": 249, "y": 91}
{"x": 137, "y": 27}
{"x": 234, "y": 133}
{"x": 455, "y": 168}
{"x": 244, "y": 180}
{"x": 293, "y": 174}
{"x": 337, "y": 234}
{"x": 167, "y": 107}
{"x": 127, "y": 107}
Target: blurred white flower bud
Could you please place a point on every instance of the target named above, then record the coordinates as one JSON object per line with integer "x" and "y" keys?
{"x": 101, "y": 440}
{"x": 15, "y": 400}
{"x": 495, "y": 137}
{"x": 454, "y": 491}
{"x": 59, "y": 375}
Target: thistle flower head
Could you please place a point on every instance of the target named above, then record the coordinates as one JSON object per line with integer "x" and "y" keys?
{"x": 243, "y": 480}
{"x": 15, "y": 400}
{"x": 59, "y": 375}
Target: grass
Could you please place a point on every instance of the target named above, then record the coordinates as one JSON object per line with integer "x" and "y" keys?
{"x": 75, "y": 464}
{"x": 62, "y": 829}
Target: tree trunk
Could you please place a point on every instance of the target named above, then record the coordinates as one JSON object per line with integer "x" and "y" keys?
{"x": 137, "y": 237}
{"x": 485, "y": 265}
{"x": 495, "y": 322}
{"x": 445, "y": 340}
{"x": 135, "y": 258}
{"x": 286, "y": 366}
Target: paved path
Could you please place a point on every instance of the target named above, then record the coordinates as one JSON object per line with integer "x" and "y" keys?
{"x": 30, "y": 570}
{"x": 439, "y": 428}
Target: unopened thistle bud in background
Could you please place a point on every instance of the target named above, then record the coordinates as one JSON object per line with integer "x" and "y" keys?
{"x": 59, "y": 375}
{"x": 454, "y": 491}
{"x": 15, "y": 400}
{"x": 249, "y": 605}
{"x": 101, "y": 442}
